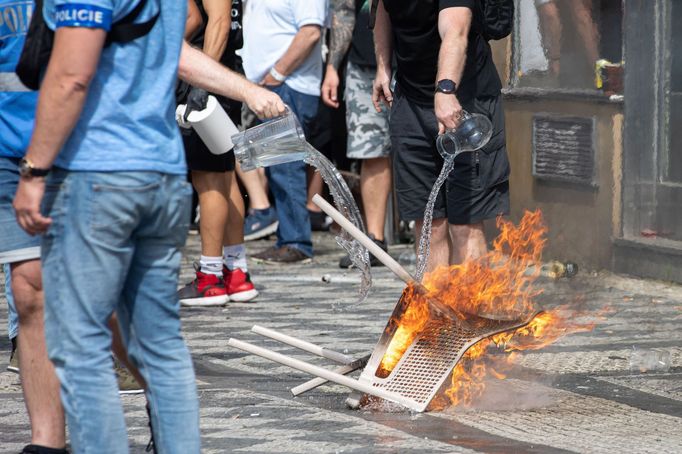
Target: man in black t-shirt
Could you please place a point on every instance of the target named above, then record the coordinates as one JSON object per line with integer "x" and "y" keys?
{"x": 444, "y": 65}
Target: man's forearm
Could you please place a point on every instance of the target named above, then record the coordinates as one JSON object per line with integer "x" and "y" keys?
{"x": 63, "y": 91}
{"x": 299, "y": 49}
{"x": 193, "y": 21}
{"x": 383, "y": 39}
{"x": 453, "y": 27}
{"x": 199, "y": 70}
{"x": 453, "y": 48}
{"x": 451, "y": 58}
{"x": 218, "y": 27}
{"x": 343, "y": 23}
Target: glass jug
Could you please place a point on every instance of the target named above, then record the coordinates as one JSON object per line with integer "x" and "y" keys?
{"x": 274, "y": 142}
{"x": 473, "y": 133}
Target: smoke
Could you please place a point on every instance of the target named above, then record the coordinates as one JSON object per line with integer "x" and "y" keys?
{"x": 513, "y": 392}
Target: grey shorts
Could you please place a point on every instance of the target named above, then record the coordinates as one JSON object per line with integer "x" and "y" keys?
{"x": 477, "y": 188}
{"x": 15, "y": 244}
{"x": 367, "y": 130}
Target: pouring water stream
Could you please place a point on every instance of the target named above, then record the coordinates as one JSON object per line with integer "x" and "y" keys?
{"x": 282, "y": 140}
{"x": 472, "y": 134}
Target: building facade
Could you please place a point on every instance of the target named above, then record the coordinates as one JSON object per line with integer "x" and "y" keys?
{"x": 593, "y": 104}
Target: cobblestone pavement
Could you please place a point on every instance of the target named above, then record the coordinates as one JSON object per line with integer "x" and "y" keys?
{"x": 577, "y": 395}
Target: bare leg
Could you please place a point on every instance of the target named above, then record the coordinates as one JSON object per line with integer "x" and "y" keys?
{"x": 550, "y": 27}
{"x": 582, "y": 14}
{"x": 213, "y": 199}
{"x": 234, "y": 228}
{"x": 440, "y": 243}
{"x": 38, "y": 378}
{"x": 375, "y": 185}
{"x": 315, "y": 186}
{"x": 120, "y": 351}
{"x": 255, "y": 183}
{"x": 468, "y": 242}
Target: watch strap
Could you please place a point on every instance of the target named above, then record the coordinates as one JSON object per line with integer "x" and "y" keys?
{"x": 35, "y": 172}
{"x": 27, "y": 169}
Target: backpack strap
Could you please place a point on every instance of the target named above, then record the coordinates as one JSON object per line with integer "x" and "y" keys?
{"x": 373, "y": 14}
{"x": 125, "y": 30}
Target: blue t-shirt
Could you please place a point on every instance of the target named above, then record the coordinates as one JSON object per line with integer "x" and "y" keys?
{"x": 17, "y": 103}
{"x": 128, "y": 121}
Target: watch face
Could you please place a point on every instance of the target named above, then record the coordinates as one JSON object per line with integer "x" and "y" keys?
{"x": 24, "y": 168}
{"x": 446, "y": 86}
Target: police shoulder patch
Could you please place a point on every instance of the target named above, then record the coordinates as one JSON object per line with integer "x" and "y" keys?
{"x": 83, "y": 15}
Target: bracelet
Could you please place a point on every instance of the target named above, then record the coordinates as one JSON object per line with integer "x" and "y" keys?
{"x": 279, "y": 77}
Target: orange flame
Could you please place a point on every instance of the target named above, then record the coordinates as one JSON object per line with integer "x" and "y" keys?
{"x": 499, "y": 285}
{"x": 410, "y": 325}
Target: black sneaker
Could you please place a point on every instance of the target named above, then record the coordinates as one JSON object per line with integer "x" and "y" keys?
{"x": 37, "y": 449}
{"x": 14, "y": 357}
{"x": 346, "y": 262}
{"x": 284, "y": 254}
{"x": 319, "y": 221}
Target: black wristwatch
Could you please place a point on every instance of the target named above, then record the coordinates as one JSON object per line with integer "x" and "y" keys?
{"x": 28, "y": 170}
{"x": 447, "y": 86}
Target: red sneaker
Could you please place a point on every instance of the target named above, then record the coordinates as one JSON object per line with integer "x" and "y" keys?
{"x": 205, "y": 290}
{"x": 238, "y": 285}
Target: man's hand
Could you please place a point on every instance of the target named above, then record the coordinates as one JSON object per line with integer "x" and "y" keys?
{"x": 381, "y": 89}
{"x": 269, "y": 81}
{"x": 197, "y": 99}
{"x": 448, "y": 111}
{"x": 27, "y": 205}
{"x": 330, "y": 87}
{"x": 264, "y": 103}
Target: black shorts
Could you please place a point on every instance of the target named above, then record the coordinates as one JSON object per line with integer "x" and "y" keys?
{"x": 478, "y": 186}
{"x": 197, "y": 154}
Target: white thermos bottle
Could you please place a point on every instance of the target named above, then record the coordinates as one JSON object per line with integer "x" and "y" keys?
{"x": 212, "y": 124}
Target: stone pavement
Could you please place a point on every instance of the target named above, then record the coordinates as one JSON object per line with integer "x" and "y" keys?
{"x": 577, "y": 395}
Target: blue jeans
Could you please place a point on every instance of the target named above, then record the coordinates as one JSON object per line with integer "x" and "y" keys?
{"x": 288, "y": 182}
{"x": 12, "y": 317}
{"x": 114, "y": 245}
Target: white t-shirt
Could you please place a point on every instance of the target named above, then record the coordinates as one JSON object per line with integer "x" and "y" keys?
{"x": 269, "y": 29}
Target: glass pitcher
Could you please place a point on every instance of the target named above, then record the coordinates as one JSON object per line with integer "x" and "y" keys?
{"x": 473, "y": 133}
{"x": 274, "y": 142}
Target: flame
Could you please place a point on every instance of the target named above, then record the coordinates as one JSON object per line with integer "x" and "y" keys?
{"x": 499, "y": 285}
{"x": 411, "y": 323}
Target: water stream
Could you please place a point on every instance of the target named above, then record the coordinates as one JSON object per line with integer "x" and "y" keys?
{"x": 425, "y": 238}
{"x": 345, "y": 203}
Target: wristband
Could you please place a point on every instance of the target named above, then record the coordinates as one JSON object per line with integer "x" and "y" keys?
{"x": 279, "y": 77}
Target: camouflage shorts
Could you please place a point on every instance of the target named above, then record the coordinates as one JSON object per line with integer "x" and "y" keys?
{"x": 367, "y": 130}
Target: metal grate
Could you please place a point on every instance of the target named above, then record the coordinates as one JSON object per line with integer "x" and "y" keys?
{"x": 431, "y": 357}
{"x": 563, "y": 148}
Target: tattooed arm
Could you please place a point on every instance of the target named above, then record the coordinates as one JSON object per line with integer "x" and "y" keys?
{"x": 343, "y": 22}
